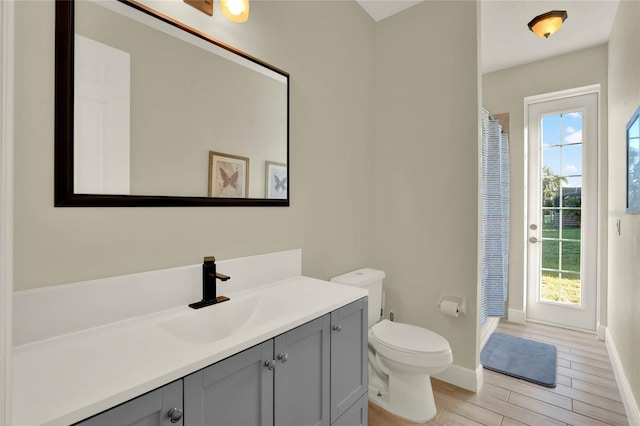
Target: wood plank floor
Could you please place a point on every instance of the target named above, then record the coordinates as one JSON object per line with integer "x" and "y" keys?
{"x": 586, "y": 391}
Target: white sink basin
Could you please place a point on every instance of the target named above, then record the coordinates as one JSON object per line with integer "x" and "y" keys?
{"x": 215, "y": 322}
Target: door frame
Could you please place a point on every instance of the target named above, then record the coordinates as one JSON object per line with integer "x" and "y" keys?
{"x": 553, "y": 96}
{"x": 7, "y": 19}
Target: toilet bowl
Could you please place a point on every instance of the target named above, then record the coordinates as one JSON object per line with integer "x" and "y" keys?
{"x": 408, "y": 355}
{"x": 402, "y": 357}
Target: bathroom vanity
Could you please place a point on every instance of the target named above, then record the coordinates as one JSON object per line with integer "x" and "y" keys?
{"x": 313, "y": 374}
{"x": 291, "y": 351}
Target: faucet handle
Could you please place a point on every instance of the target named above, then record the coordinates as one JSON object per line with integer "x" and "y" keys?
{"x": 222, "y": 277}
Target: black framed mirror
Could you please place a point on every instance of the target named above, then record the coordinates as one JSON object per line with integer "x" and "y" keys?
{"x": 151, "y": 112}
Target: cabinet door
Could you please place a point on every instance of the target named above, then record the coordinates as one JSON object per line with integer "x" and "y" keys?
{"x": 302, "y": 375}
{"x": 237, "y": 391}
{"x": 348, "y": 356}
{"x": 357, "y": 415}
{"x": 150, "y": 409}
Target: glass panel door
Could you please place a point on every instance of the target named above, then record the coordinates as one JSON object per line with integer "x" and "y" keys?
{"x": 561, "y": 189}
{"x": 562, "y": 212}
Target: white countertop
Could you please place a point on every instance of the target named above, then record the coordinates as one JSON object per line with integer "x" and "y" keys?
{"x": 66, "y": 379}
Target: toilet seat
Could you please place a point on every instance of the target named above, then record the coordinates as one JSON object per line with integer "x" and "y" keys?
{"x": 410, "y": 344}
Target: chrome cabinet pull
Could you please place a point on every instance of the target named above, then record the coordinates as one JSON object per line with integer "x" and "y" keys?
{"x": 270, "y": 364}
{"x": 283, "y": 357}
{"x": 337, "y": 328}
{"x": 175, "y": 414}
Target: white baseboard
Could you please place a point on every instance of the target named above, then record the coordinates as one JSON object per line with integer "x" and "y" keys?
{"x": 517, "y": 316}
{"x": 487, "y": 330}
{"x": 462, "y": 377}
{"x": 630, "y": 404}
{"x": 601, "y": 331}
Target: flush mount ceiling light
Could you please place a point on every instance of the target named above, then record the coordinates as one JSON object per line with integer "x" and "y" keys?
{"x": 548, "y": 23}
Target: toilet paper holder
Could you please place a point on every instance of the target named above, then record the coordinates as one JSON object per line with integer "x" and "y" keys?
{"x": 461, "y": 301}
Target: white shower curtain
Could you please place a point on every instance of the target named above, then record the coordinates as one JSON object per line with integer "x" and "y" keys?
{"x": 495, "y": 218}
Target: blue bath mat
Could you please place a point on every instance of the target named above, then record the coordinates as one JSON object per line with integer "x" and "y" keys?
{"x": 525, "y": 359}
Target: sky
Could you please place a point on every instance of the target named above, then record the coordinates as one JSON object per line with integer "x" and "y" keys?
{"x": 562, "y": 146}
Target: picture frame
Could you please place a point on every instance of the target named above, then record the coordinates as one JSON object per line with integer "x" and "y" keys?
{"x": 228, "y": 175}
{"x": 633, "y": 163}
{"x": 205, "y": 6}
{"x": 276, "y": 180}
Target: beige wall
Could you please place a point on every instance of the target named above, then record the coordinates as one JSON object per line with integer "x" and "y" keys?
{"x": 426, "y": 133}
{"x": 624, "y": 249}
{"x": 332, "y": 161}
{"x": 504, "y": 91}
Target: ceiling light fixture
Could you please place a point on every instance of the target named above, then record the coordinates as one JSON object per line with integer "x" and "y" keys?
{"x": 235, "y": 10}
{"x": 548, "y": 23}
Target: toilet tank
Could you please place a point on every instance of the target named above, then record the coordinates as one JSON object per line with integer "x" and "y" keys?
{"x": 370, "y": 279}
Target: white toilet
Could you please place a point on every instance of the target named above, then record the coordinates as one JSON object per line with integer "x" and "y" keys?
{"x": 402, "y": 357}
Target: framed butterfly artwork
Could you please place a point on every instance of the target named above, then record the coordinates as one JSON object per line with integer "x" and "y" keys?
{"x": 228, "y": 175}
{"x": 276, "y": 179}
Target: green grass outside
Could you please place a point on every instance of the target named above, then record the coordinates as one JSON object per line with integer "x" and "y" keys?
{"x": 570, "y": 289}
{"x": 570, "y": 252}
{"x": 565, "y": 289}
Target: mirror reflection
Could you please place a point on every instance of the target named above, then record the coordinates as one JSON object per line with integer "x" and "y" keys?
{"x": 161, "y": 111}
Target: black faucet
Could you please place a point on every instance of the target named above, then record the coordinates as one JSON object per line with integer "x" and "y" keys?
{"x": 209, "y": 277}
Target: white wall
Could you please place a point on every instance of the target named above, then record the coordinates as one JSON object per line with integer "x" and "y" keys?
{"x": 624, "y": 249}
{"x": 504, "y": 91}
{"x": 328, "y": 49}
{"x": 426, "y": 133}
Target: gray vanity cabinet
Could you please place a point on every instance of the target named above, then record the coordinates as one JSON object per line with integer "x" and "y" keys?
{"x": 357, "y": 415}
{"x": 237, "y": 391}
{"x": 315, "y": 375}
{"x": 302, "y": 375}
{"x": 156, "y": 408}
{"x": 289, "y": 373}
{"x": 349, "y": 351}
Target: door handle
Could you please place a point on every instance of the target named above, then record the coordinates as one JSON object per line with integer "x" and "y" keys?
{"x": 533, "y": 240}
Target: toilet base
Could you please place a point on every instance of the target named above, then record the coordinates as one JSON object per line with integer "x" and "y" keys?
{"x": 407, "y": 395}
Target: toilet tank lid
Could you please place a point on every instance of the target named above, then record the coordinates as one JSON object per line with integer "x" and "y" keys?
{"x": 360, "y": 277}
